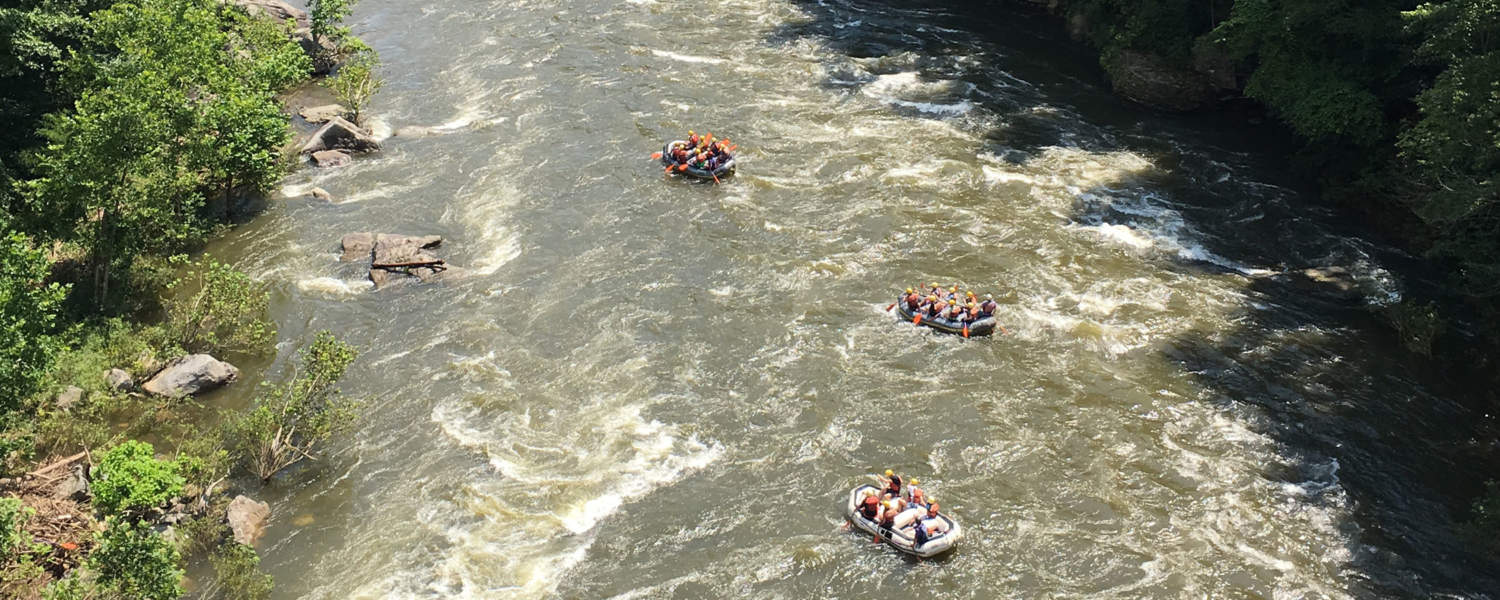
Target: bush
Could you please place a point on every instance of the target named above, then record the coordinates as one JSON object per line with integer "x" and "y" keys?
{"x": 13, "y": 538}
{"x": 238, "y": 575}
{"x": 357, "y": 81}
{"x": 28, "y": 309}
{"x": 136, "y": 562}
{"x": 327, "y": 18}
{"x": 219, "y": 309}
{"x": 130, "y": 480}
{"x": 288, "y": 422}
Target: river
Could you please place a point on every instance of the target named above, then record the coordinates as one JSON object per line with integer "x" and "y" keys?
{"x": 649, "y": 388}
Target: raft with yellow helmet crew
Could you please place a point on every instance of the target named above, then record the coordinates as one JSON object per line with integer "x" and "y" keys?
{"x": 905, "y": 517}
{"x": 948, "y": 311}
{"x": 698, "y": 156}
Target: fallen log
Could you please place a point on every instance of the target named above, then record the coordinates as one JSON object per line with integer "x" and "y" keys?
{"x": 410, "y": 265}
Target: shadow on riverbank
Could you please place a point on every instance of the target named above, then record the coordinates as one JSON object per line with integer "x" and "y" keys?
{"x": 1310, "y": 364}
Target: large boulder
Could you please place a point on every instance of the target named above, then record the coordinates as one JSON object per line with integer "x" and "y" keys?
{"x": 68, "y": 398}
{"x": 341, "y": 134}
{"x": 398, "y": 257}
{"x": 191, "y": 374}
{"x": 1151, "y": 80}
{"x": 118, "y": 380}
{"x": 247, "y": 519}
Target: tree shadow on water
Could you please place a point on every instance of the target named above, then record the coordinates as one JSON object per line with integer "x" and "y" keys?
{"x": 1309, "y": 362}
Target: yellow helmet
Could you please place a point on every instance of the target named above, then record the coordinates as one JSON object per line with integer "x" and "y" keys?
{"x": 914, "y": 481}
{"x": 889, "y": 472}
{"x": 908, "y": 290}
{"x": 953, "y": 289}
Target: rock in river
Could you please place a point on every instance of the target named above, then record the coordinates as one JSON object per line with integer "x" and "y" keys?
{"x": 341, "y": 134}
{"x": 247, "y": 519}
{"x": 324, "y": 113}
{"x": 191, "y": 374}
{"x": 326, "y": 159}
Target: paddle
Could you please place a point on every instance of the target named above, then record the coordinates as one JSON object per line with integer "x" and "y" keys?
{"x": 917, "y": 320}
{"x": 655, "y": 156}
{"x": 893, "y": 305}
{"x": 966, "y": 331}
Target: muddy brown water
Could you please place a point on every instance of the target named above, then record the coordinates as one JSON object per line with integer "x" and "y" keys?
{"x": 647, "y": 388}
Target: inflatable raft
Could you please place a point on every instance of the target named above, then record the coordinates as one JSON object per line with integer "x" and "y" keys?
{"x": 902, "y": 539}
{"x": 724, "y": 170}
{"x": 985, "y": 326}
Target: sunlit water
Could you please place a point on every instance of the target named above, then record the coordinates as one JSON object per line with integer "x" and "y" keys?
{"x": 647, "y": 388}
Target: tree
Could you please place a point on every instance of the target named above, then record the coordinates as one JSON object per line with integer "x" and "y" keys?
{"x": 327, "y": 18}
{"x": 135, "y": 562}
{"x": 224, "y": 310}
{"x": 28, "y": 311}
{"x": 176, "y": 104}
{"x": 288, "y": 422}
{"x": 357, "y": 81}
{"x": 130, "y": 481}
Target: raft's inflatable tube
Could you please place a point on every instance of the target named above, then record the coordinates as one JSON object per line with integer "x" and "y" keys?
{"x": 724, "y": 170}
{"x": 985, "y": 326}
{"x": 902, "y": 539}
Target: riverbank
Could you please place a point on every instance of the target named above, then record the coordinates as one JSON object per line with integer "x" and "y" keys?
{"x": 165, "y": 134}
{"x": 1216, "y": 57}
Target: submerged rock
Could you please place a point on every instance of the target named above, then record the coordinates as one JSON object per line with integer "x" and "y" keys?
{"x": 320, "y": 194}
{"x": 327, "y": 159}
{"x": 191, "y": 374}
{"x": 324, "y": 113}
{"x": 247, "y": 519}
{"x": 340, "y": 134}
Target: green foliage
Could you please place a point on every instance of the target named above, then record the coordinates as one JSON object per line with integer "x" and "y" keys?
{"x": 13, "y": 538}
{"x": 176, "y": 104}
{"x": 1164, "y": 27}
{"x": 1418, "y": 324}
{"x": 288, "y": 422}
{"x": 1321, "y": 65}
{"x": 327, "y": 18}
{"x": 238, "y": 575}
{"x": 1453, "y": 149}
{"x": 137, "y": 563}
{"x": 73, "y": 587}
{"x": 130, "y": 480}
{"x": 28, "y": 310}
{"x": 357, "y": 81}
{"x": 201, "y": 535}
{"x": 219, "y": 309}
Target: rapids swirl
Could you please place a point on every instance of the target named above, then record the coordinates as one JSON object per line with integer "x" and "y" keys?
{"x": 650, "y": 388}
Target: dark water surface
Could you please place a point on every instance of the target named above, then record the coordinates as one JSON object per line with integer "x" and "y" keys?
{"x": 646, "y": 388}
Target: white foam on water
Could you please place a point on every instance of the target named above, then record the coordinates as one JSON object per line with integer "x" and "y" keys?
{"x": 954, "y": 109}
{"x": 333, "y": 287}
{"x": 995, "y": 176}
{"x": 1121, "y": 234}
{"x": 687, "y": 58}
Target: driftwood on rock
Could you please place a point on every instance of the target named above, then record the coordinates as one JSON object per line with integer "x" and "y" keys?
{"x": 395, "y": 258}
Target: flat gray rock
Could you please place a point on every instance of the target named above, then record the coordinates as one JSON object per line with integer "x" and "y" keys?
{"x": 119, "y": 380}
{"x": 191, "y": 374}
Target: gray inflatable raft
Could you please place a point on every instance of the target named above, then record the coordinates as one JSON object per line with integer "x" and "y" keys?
{"x": 902, "y": 538}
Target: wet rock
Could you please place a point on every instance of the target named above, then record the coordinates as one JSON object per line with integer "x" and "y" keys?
{"x": 318, "y": 193}
{"x": 191, "y": 374}
{"x": 275, "y": 9}
{"x": 69, "y": 398}
{"x": 75, "y": 486}
{"x": 1151, "y": 80}
{"x": 357, "y": 246}
{"x": 247, "y": 519}
{"x": 1216, "y": 66}
{"x": 119, "y": 381}
{"x": 1329, "y": 283}
{"x": 396, "y": 257}
{"x": 341, "y": 134}
{"x": 324, "y": 113}
{"x": 327, "y": 159}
